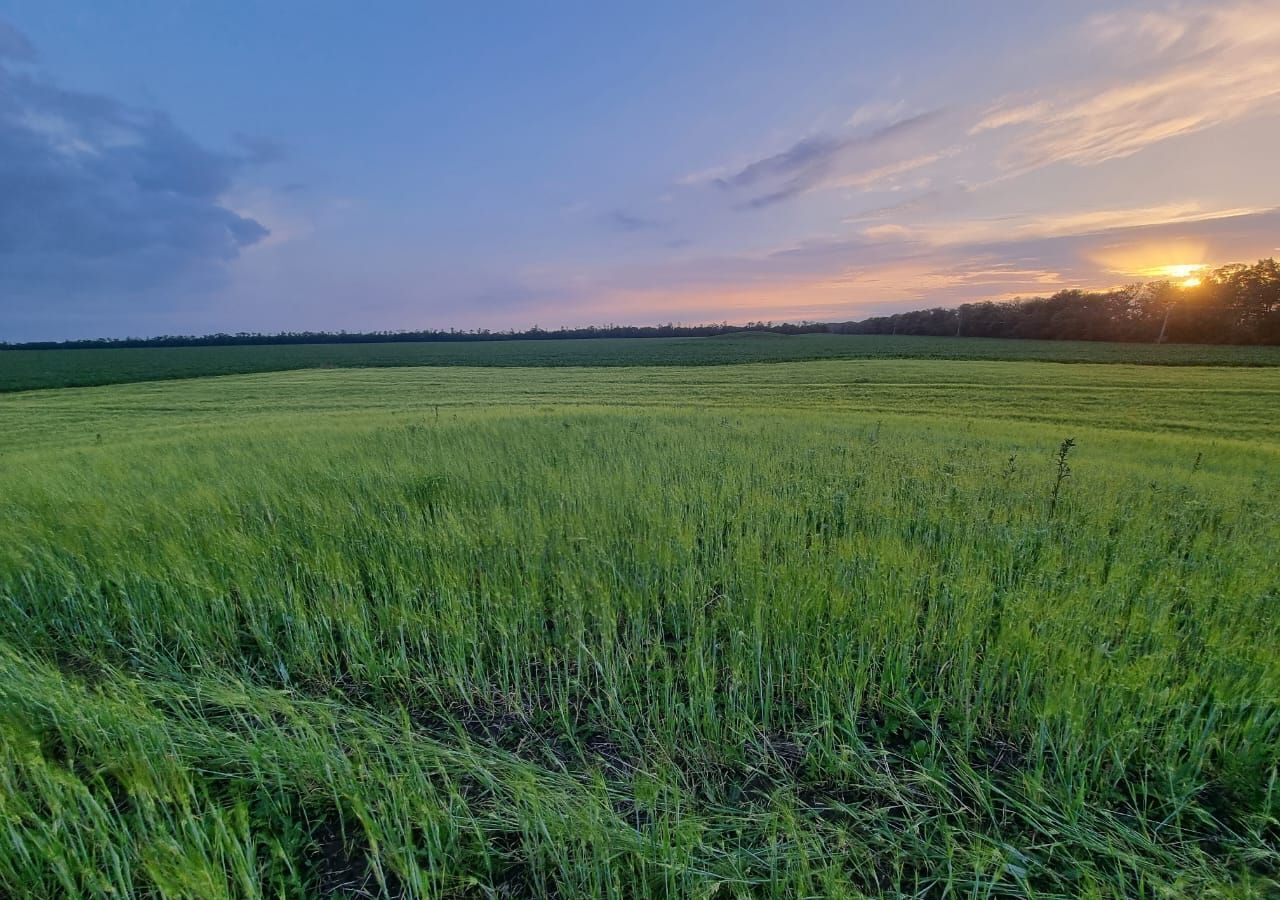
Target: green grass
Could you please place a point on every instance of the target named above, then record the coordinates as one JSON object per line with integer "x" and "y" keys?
{"x": 30, "y": 369}
{"x": 800, "y": 630}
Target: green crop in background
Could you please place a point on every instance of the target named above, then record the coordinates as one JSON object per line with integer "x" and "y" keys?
{"x": 29, "y": 369}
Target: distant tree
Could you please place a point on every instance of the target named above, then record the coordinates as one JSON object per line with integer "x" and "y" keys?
{"x": 586, "y": 332}
{"x": 1235, "y": 304}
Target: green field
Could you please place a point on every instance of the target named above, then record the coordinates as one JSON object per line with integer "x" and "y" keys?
{"x": 809, "y": 629}
{"x": 28, "y": 369}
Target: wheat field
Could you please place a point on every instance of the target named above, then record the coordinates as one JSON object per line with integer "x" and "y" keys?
{"x": 823, "y": 629}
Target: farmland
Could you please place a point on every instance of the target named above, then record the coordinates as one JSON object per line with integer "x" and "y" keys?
{"x": 851, "y": 627}
{"x": 29, "y": 369}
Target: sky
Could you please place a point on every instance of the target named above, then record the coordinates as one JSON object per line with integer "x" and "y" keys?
{"x": 178, "y": 167}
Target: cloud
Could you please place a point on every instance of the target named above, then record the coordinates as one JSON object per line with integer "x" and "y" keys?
{"x": 258, "y": 149}
{"x": 925, "y": 202}
{"x": 827, "y": 160}
{"x": 798, "y": 161}
{"x": 1169, "y": 73}
{"x": 1004, "y": 116}
{"x": 1098, "y": 257}
{"x": 621, "y": 220}
{"x": 14, "y": 45}
{"x": 880, "y": 111}
{"x": 888, "y": 233}
{"x": 103, "y": 199}
{"x": 868, "y": 178}
{"x": 1014, "y": 228}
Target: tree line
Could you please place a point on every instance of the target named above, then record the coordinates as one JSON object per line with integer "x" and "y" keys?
{"x": 246, "y": 338}
{"x": 1235, "y": 304}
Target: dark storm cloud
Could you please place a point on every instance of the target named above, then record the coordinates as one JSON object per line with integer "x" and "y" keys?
{"x": 813, "y": 161}
{"x": 99, "y": 199}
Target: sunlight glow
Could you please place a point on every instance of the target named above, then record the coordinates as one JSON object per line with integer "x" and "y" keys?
{"x": 1191, "y": 283}
{"x": 1181, "y": 270}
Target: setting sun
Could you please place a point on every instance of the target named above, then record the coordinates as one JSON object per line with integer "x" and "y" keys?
{"x": 1180, "y": 270}
{"x": 1191, "y": 283}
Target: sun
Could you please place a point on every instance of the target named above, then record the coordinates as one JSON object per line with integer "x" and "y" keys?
{"x": 1185, "y": 275}
{"x": 1185, "y": 270}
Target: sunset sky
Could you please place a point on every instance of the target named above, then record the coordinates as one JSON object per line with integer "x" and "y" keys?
{"x": 188, "y": 167}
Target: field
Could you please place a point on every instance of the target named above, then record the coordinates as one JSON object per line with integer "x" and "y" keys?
{"x": 29, "y": 369}
{"x": 837, "y": 628}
